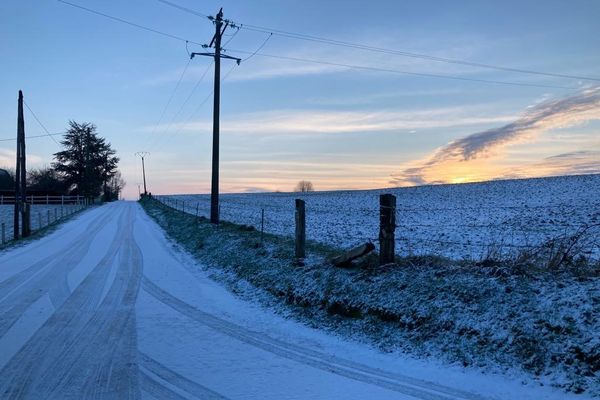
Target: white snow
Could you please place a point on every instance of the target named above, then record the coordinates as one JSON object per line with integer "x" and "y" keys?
{"x": 457, "y": 221}
{"x": 191, "y": 336}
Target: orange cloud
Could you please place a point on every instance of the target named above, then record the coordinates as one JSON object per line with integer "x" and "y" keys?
{"x": 478, "y": 156}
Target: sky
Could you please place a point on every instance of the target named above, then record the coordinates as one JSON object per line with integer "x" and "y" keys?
{"x": 285, "y": 120}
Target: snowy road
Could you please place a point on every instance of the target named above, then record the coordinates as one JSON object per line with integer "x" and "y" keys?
{"x": 106, "y": 307}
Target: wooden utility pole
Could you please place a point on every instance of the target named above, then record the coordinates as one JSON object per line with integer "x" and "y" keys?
{"x": 214, "y": 187}
{"x": 20, "y": 175}
{"x": 220, "y": 26}
{"x": 142, "y": 155}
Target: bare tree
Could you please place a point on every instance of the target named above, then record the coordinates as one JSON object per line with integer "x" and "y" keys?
{"x": 304, "y": 186}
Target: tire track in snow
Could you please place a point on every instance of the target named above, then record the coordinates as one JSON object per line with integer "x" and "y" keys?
{"x": 155, "y": 388}
{"x": 402, "y": 384}
{"x": 86, "y": 349}
{"x": 13, "y": 281}
{"x": 106, "y": 347}
{"x": 51, "y": 271}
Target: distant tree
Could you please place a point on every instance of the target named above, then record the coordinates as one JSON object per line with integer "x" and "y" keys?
{"x": 87, "y": 162}
{"x": 7, "y": 180}
{"x": 47, "y": 180}
{"x": 113, "y": 188}
{"x": 304, "y": 186}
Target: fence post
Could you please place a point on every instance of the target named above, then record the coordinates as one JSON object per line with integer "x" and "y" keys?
{"x": 48, "y": 212}
{"x": 27, "y": 221}
{"x": 387, "y": 227}
{"x": 47, "y": 199}
{"x": 262, "y": 224}
{"x": 300, "y": 228}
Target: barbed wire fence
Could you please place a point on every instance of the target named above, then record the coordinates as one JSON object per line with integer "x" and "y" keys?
{"x": 474, "y": 233}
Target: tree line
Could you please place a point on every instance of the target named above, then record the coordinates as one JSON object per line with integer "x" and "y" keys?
{"x": 86, "y": 166}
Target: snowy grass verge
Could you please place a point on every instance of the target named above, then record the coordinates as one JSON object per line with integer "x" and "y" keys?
{"x": 492, "y": 316}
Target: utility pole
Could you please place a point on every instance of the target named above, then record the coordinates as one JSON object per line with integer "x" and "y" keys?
{"x": 216, "y": 41}
{"x": 20, "y": 175}
{"x": 143, "y": 154}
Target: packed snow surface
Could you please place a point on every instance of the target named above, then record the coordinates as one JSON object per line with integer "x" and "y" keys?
{"x": 474, "y": 221}
{"x": 107, "y": 307}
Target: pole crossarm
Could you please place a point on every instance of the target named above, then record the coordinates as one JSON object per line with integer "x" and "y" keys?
{"x": 238, "y": 60}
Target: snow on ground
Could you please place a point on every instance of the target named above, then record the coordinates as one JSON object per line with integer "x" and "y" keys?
{"x": 39, "y": 215}
{"x": 107, "y": 307}
{"x": 497, "y": 218}
{"x": 517, "y": 319}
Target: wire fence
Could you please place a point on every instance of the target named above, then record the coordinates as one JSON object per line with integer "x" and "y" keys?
{"x": 41, "y": 216}
{"x": 464, "y": 232}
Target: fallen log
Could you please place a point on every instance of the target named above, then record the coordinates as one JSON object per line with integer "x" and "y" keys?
{"x": 352, "y": 254}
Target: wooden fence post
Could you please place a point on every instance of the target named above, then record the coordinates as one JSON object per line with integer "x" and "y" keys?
{"x": 27, "y": 220}
{"x": 262, "y": 224}
{"x": 300, "y": 228}
{"x": 387, "y": 227}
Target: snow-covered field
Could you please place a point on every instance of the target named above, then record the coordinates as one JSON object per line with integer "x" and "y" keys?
{"x": 105, "y": 307}
{"x": 498, "y": 218}
{"x": 39, "y": 215}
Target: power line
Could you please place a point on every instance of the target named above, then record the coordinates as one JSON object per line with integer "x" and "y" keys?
{"x": 129, "y": 23}
{"x": 32, "y": 137}
{"x": 397, "y": 71}
{"x": 182, "y": 8}
{"x": 334, "y": 42}
{"x": 40, "y": 123}
{"x": 181, "y": 127}
{"x": 162, "y": 114}
{"x": 259, "y": 48}
{"x": 409, "y": 54}
{"x": 185, "y": 102}
{"x": 326, "y": 62}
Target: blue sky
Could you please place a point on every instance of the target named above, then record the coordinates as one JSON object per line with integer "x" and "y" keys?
{"x": 285, "y": 120}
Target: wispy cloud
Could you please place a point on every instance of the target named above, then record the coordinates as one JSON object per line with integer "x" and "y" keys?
{"x": 463, "y": 159}
{"x": 8, "y": 157}
{"x": 572, "y": 163}
{"x": 321, "y": 122}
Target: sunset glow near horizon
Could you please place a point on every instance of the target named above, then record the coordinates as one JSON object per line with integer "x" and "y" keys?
{"x": 286, "y": 120}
